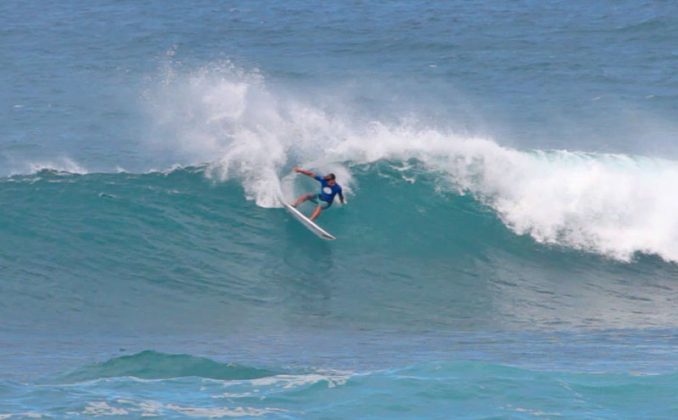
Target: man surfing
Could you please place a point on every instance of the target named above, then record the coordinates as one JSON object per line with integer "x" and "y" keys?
{"x": 328, "y": 189}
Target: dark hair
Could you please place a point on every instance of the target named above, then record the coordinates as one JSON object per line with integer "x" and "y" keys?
{"x": 331, "y": 176}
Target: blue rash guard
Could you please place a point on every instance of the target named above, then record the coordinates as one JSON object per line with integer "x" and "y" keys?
{"x": 327, "y": 193}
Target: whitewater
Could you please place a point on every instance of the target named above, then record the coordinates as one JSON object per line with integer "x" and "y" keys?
{"x": 509, "y": 245}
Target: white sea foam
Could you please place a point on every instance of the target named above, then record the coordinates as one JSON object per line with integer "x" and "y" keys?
{"x": 612, "y": 204}
{"x": 211, "y": 412}
{"x": 150, "y": 408}
{"x": 332, "y": 379}
{"x": 102, "y": 408}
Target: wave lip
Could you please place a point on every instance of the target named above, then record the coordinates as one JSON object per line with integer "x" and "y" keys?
{"x": 150, "y": 364}
{"x": 60, "y": 165}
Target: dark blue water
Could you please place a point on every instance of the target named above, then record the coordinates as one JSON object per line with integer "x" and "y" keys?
{"x": 508, "y": 249}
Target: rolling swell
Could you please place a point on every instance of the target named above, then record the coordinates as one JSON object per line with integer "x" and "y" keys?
{"x": 154, "y": 365}
{"x": 138, "y": 252}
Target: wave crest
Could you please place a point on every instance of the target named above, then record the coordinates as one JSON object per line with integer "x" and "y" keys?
{"x": 612, "y": 204}
{"x": 154, "y": 365}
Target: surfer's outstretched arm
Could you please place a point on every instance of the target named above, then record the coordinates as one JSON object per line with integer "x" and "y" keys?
{"x": 341, "y": 197}
{"x": 305, "y": 172}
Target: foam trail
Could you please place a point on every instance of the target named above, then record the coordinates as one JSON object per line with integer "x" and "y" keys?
{"x": 612, "y": 204}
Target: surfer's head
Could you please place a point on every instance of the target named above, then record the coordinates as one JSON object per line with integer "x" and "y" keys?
{"x": 331, "y": 179}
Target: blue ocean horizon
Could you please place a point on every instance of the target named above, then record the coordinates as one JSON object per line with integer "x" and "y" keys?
{"x": 508, "y": 249}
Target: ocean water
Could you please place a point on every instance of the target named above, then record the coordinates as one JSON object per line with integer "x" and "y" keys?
{"x": 509, "y": 247}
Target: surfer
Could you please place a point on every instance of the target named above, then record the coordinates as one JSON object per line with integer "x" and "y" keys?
{"x": 328, "y": 189}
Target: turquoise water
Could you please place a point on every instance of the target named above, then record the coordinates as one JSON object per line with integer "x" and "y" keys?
{"x": 433, "y": 389}
{"x": 508, "y": 249}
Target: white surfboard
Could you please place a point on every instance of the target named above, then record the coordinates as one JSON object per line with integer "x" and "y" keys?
{"x": 310, "y": 225}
